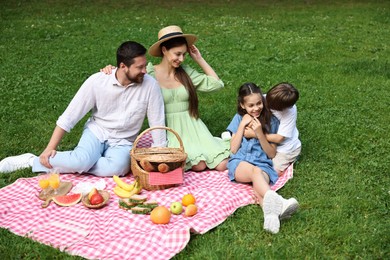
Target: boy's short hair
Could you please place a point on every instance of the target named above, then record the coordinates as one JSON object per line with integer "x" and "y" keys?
{"x": 282, "y": 96}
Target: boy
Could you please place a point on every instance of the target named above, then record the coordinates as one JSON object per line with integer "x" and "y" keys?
{"x": 281, "y": 99}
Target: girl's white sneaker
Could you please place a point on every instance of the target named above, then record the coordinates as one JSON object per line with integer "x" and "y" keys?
{"x": 272, "y": 207}
{"x": 290, "y": 206}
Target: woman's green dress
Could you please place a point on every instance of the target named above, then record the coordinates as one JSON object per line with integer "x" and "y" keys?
{"x": 198, "y": 142}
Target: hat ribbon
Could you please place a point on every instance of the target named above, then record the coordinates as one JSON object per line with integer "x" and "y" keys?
{"x": 169, "y": 35}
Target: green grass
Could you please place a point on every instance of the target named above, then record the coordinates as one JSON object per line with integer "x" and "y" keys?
{"x": 336, "y": 53}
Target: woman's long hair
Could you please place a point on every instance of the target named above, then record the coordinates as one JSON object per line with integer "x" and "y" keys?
{"x": 265, "y": 115}
{"x": 183, "y": 77}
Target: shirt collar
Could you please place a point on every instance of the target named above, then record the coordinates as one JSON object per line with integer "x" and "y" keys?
{"x": 115, "y": 82}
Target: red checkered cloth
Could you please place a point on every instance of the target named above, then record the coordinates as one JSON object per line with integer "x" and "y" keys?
{"x": 113, "y": 233}
{"x": 172, "y": 177}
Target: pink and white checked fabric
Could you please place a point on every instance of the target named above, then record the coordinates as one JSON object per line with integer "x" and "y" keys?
{"x": 172, "y": 177}
{"x": 113, "y": 233}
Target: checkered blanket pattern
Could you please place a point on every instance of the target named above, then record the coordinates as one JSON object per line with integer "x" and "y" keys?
{"x": 113, "y": 233}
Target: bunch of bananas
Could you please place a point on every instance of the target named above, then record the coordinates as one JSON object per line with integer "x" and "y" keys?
{"x": 125, "y": 190}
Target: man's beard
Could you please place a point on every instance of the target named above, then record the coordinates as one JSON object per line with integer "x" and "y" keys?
{"x": 137, "y": 79}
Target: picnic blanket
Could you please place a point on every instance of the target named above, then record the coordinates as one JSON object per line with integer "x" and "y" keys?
{"x": 113, "y": 233}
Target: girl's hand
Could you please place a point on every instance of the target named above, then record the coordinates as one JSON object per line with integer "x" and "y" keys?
{"x": 249, "y": 133}
{"x": 194, "y": 52}
{"x": 44, "y": 158}
{"x": 246, "y": 120}
{"x": 107, "y": 69}
{"x": 256, "y": 126}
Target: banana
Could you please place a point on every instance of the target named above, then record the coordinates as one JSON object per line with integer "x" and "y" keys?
{"x": 123, "y": 184}
{"x": 138, "y": 186}
{"x": 122, "y": 193}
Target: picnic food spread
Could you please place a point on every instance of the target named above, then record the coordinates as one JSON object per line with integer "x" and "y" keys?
{"x": 129, "y": 198}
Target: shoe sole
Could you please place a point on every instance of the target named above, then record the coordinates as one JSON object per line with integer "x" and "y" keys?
{"x": 272, "y": 207}
{"x": 290, "y": 210}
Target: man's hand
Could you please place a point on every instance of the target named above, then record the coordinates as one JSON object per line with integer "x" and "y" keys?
{"x": 44, "y": 157}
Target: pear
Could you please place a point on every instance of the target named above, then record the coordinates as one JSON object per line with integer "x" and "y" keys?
{"x": 92, "y": 192}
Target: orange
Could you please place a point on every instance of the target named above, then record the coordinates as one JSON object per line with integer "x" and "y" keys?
{"x": 188, "y": 199}
{"x": 191, "y": 210}
{"x": 160, "y": 215}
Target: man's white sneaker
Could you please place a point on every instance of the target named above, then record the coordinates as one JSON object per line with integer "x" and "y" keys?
{"x": 272, "y": 207}
{"x": 14, "y": 163}
{"x": 290, "y": 206}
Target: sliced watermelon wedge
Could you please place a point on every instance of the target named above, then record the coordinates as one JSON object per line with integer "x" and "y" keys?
{"x": 68, "y": 200}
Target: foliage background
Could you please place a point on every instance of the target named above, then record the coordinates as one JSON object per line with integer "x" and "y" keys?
{"x": 335, "y": 52}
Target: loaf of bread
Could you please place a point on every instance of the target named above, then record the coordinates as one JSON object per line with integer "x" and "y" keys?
{"x": 163, "y": 167}
{"x": 146, "y": 165}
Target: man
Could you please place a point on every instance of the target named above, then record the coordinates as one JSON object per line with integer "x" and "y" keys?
{"x": 118, "y": 103}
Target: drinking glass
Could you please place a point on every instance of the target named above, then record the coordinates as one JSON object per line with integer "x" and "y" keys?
{"x": 54, "y": 181}
{"x": 43, "y": 183}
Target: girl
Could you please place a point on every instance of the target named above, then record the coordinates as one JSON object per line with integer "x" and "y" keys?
{"x": 250, "y": 161}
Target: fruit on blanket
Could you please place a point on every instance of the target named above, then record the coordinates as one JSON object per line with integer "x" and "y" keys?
{"x": 176, "y": 208}
{"x": 92, "y": 192}
{"x": 124, "y": 185}
{"x": 163, "y": 167}
{"x": 96, "y": 199}
{"x": 160, "y": 215}
{"x": 68, "y": 200}
{"x": 191, "y": 210}
{"x": 122, "y": 193}
{"x": 127, "y": 194}
{"x": 188, "y": 199}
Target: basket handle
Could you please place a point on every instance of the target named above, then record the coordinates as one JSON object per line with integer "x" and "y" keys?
{"x": 159, "y": 127}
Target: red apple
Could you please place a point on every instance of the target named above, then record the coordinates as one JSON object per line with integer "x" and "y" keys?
{"x": 96, "y": 199}
{"x": 92, "y": 192}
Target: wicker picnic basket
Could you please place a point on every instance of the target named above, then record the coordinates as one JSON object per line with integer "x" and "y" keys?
{"x": 173, "y": 157}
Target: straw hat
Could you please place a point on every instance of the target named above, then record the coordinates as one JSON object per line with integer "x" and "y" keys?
{"x": 167, "y": 33}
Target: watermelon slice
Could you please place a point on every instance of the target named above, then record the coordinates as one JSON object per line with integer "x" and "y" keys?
{"x": 68, "y": 200}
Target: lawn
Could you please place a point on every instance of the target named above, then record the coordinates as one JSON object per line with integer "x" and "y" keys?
{"x": 335, "y": 52}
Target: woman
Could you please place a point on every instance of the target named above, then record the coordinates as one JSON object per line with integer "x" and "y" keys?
{"x": 179, "y": 84}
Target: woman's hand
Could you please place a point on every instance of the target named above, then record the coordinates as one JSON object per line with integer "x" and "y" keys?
{"x": 44, "y": 157}
{"x": 194, "y": 52}
{"x": 107, "y": 69}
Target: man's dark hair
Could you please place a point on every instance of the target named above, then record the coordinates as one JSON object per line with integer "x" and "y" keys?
{"x": 128, "y": 51}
